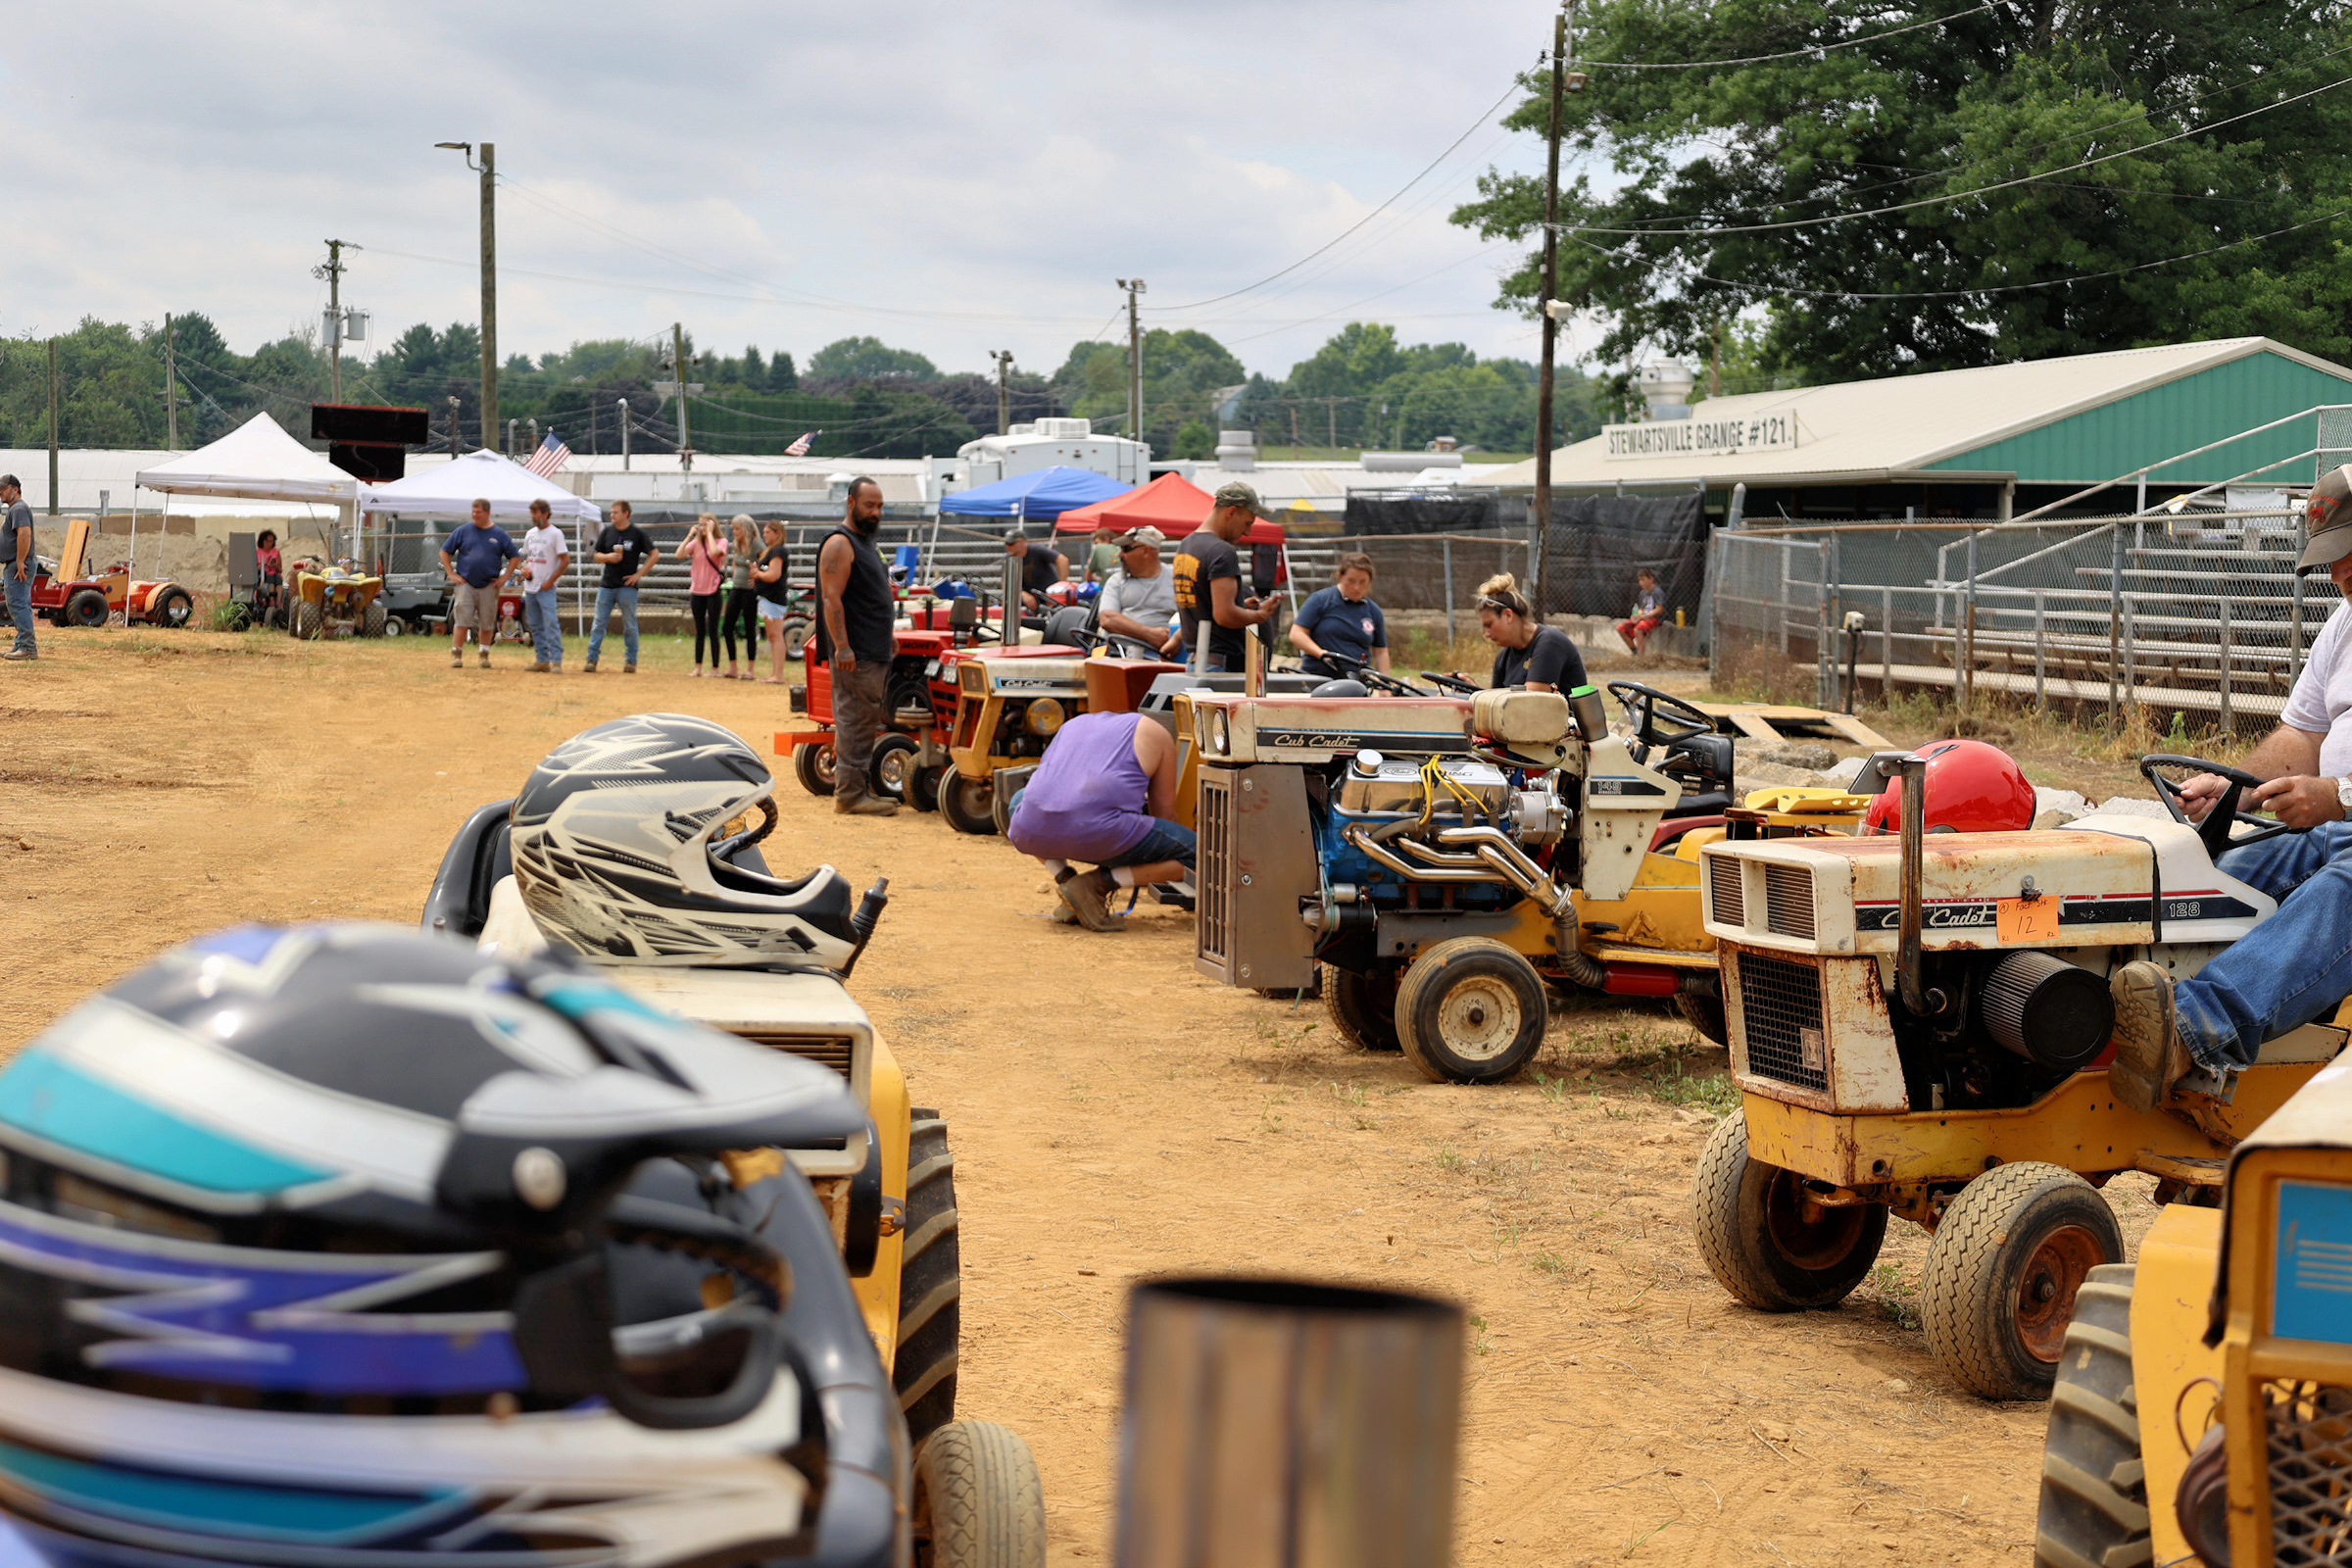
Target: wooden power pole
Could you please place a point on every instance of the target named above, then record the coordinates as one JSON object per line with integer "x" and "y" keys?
{"x": 332, "y": 270}
{"x": 1135, "y": 357}
{"x": 677, "y": 350}
{"x": 1560, "y": 37}
{"x": 170, "y": 385}
{"x": 489, "y": 291}
{"x": 1003, "y": 358}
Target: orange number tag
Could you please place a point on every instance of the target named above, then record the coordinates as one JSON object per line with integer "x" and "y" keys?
{"x": 2027, "y": 922}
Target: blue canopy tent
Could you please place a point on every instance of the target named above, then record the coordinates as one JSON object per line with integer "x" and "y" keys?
{"x": 1046, "y": 494}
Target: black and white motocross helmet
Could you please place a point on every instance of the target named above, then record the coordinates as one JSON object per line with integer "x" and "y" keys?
{"x": 617, "y": 855}
{"x": 352, "y": 1246}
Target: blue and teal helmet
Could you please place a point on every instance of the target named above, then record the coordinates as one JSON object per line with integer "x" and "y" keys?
{"x": 351, "y": 1244}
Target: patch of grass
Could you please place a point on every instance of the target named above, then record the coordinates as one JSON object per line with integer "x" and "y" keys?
{"x": 1447, "y": 1159}
{"x": 1552, "y": 1263}
{"x": 1481, "y": 1341}
{"x": 1891, "y": 1296}
{"x": 1671, "y": 1083}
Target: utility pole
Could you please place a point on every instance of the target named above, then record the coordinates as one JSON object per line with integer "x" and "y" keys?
{"x": 170, "y": 386}
{"x": 624, "y": 405}
{"x": 1562, "y": 39}
{"x": 453, "y": 426}
{"x": 1003, "y": 358}
{"x": 1134, "y": 357}
{"x": 488, "y": 169}
{"x": 332, "y": 270}
{"x": 55, "y": 390}
{"x": 677, "y": 351}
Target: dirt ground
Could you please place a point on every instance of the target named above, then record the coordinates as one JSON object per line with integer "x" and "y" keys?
{"x": 1114, "y": 1116}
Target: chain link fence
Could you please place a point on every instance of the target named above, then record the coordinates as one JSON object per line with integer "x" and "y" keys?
{"x": 2199, "y": 612}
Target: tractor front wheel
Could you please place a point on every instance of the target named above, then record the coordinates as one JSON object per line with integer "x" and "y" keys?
{"x": 1471, "y": 1010}
{"x": 796, "y": 638}
{"x": 1998, "y": 1291}
{"x": 1766, "y": 1240}
{"x": 1362, "y": 1006}
{"x": 970, "y": 806}
{"x": 813, "y": 765}
{"x": 930, "y": 1283}
{"x": 922, "y": 788}
{"x": 892, "y": 771}
{"x": 2094, "y": 1494}
{"x": 87, "y": 608}
{"x": 978, "y": 1499}
{"x": 171, "y": 608}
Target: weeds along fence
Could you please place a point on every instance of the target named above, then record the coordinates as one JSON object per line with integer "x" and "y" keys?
{"x": 2200, "y": 612}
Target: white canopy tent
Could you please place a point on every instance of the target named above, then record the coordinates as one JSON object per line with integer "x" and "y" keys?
{"x": 256, "y": 461}
{"x": 452, "y": 489}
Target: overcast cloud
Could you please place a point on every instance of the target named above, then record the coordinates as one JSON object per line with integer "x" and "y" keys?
{"x": 951, "y": 179}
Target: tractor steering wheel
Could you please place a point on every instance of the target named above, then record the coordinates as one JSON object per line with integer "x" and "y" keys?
{"x": 1358, "y": 670}
{"x": 2226, "y": 814}
{"x": 1452, "y": 683}
{"x": 1647, "y": 705}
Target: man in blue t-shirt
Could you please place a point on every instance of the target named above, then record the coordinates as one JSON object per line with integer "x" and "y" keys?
{"x": 1343, "y": 621}
{"x": 479, "y": 559}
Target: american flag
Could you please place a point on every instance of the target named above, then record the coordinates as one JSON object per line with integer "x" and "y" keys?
{"x": 799, "y": 448}
{"x": 552, "y": 455}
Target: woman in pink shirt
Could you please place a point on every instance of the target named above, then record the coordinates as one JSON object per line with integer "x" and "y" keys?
{"x": 707, "y": 561}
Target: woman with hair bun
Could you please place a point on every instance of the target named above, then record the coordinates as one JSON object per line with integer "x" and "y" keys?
{"x": 1530, "y": 655}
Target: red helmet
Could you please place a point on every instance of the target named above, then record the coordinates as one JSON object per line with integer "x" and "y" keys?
{"x": 1971, "y": 788}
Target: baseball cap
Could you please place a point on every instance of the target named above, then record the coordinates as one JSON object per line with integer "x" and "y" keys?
{"x": 1141, "y": 536}
{"x": 1013, "y": 535}
{"x": 1238, "y": 494}
{"x": 2327, "y": 522}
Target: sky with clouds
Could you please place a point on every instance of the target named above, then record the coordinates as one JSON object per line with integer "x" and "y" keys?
{"x": 949, "y": 177}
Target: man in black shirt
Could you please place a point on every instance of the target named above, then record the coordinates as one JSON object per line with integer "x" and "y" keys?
{"x": 855, "y": 641}
{"x": 626, "y": 554}
{"x": 1208, "y": 583}
{"x": 1042, "y": 567}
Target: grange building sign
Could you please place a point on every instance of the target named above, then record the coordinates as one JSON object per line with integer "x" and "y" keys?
{"x": 1700, "y": 437}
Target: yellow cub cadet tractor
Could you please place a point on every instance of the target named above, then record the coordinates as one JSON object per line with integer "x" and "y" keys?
{"x": 1919, "y": 1026}
{"x": 2203, "y": 1407}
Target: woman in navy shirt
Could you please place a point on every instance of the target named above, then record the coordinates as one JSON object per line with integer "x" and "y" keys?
{"x": 1343, "y": 620}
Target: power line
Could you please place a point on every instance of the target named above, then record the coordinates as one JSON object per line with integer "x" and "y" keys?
{"x": 1812, "y": 51}
{"x": 1482, "y": 119}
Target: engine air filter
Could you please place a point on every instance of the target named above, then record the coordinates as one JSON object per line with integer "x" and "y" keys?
{"x": 2047, "y": 1011}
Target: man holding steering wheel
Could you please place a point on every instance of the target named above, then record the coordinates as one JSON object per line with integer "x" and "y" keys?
{"x": 2297, "y": 966}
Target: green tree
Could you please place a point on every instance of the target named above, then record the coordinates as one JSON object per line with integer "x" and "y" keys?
{"x": 868, "y": 359}
{"x": 2095, "y": 149}
{"x": 1195, "y": 442}
{"x": 781, "y": 376}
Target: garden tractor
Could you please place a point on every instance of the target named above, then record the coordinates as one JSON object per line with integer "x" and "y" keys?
{"x": 338, "y": 600}
{"x": 1919, "y": 1026}
{"x": 1433, "y": 862}
{"x": 2203, "y": 1407}
{"x": 889, "y": 1194}
{"x": 69, "y": 594}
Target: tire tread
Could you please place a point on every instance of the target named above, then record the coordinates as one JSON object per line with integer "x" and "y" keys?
{"x": 982, "y": 1496}
{"x": 1964, "y": 1301}
{"x": 930, "y": 1283}
{"x": 2093, "y": 1512}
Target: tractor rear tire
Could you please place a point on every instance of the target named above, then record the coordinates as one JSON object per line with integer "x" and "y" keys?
{"x": 930, "y": 1283}
{"x": 1756, "y": 1239}
{"x": 968, "y": 808}
{"x": 813, "y": 765}
{"x": 1998, "y": 1291}
{"x": 375, "y": 621}
{"x": 892, "y": 771}
{"x": 796, "y": 638}
{"x": 87, "y": 608}
{"x": 1471, "y": 1010}
{"x": 2094, "y": 1492}
{"x": 978, "y": 1499}
{"x": 1362, "y": 1008}
{"x": 172, "y": 608}
{"x": 922, "y": 788}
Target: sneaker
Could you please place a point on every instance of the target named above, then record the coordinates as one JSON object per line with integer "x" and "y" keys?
{"x": 485, "y": 659}
{"x": 1088, "y": 894}
{"x": 2149, "y": 1058}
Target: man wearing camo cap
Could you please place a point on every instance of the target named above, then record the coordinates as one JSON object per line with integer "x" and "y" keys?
{"x": 1215, "y": 617}
{"x": 2177, "y": 1043}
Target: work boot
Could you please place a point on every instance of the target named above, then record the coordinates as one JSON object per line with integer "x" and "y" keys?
{"x": 541, "y": 668}
{"x": 850, "y": 797}
{"x": 2149, "y": 1058}
{"x": 1088, "y": 894}
{"x": 1062, "y": 916}
{"x": 485, "y": 659}
{"x": 589, "y": 668}
{"x": 456, "y": 657}
{"x": 628, "y": 670}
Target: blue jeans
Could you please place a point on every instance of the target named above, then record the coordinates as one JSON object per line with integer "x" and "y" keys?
{"x": 2291, "y": 969}
{"x": 545, "y": 624}
{"x": 20, "y": 606}
{"x": 1167, "y": 840}
{"x": 606, "y": 599}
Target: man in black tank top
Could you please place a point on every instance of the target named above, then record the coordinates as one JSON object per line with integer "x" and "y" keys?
{"x": 854, "y": 642}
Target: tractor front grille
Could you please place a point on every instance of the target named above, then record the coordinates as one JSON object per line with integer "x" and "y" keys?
{"x": 1723, "y": 886}
{"x": 1788, "y": 901}
{"x": 1780, "y": 1021}
{"x": 1213, "y": 868}
{"x": 2309, "y": 1433}
{"x": 826, "y": 1051}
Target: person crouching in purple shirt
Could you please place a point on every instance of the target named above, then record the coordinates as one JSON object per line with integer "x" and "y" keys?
{"x": 1103, "y": 795}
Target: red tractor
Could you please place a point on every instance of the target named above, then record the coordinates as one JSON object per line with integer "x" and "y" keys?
{"x": 63, "y": 593}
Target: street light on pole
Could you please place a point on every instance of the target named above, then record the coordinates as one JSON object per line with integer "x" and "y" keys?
{"x": 488, "y": 169}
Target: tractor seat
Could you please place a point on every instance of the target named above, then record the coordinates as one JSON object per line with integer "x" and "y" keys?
{"x": 1700, "y": 763}
{"x": 1517, "y": 717}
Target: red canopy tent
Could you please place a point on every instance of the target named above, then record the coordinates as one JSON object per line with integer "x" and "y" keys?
{"x": 1171, "y": 503}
